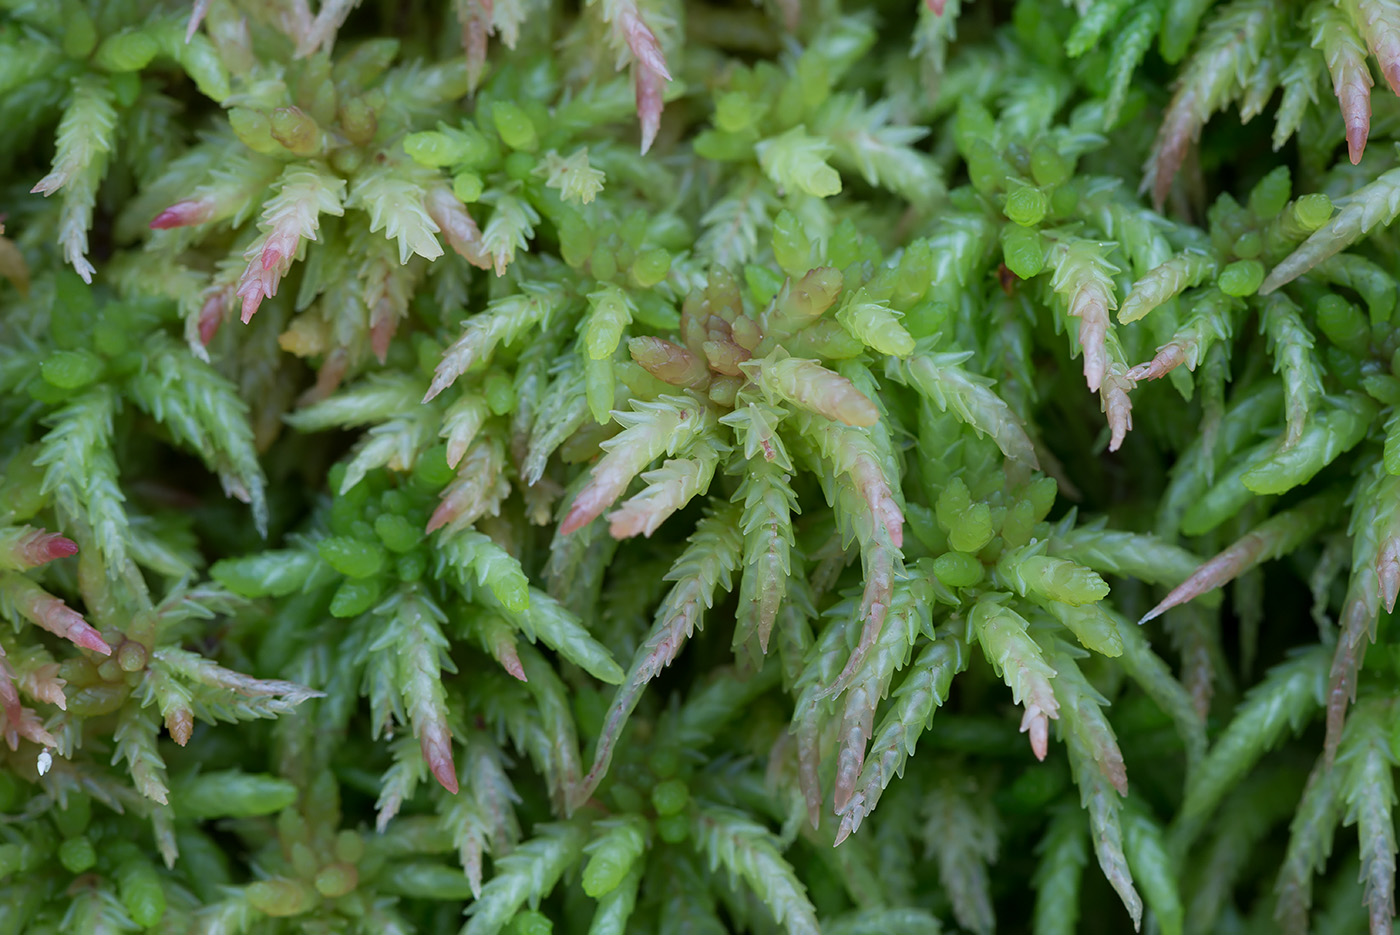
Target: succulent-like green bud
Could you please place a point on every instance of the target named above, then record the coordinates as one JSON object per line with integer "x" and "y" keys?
{"x": 1022, "y": 251}
{"x": 354, "y": 558}
{"x": 612, "y": 854}
{"x": 958, "y": 569}
{"x": 1026, "y": 205}
{"x": 77, "y": 854}
{"x": 1241, "y": 278}
{"x": 968, "y": 524}
{"x": 516, "y": 128}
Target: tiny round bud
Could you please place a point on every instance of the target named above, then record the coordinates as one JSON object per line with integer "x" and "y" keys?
{"x": 1312, "y": 211}
{"x": 514, "y": 125}
{"x": 349, "y": 847}
{"x": 432, "y": 469}
{"x": 131, "y": 656}
{"x": 673, "y": 829}
{"x": 1022, "y": 251}
{"x": 958, "y": 569}
{"x": 77, "y": 855}
{"x": 1026, "y": 206}
{"x": 651, "y": 267}
{"x": 353, "y": 558}
{"x": 354, "y": 597}
{"x": 499, "y": 390}
{"x": 336, "y": 880}
{"x": 70, "y": 369}
{"x": 1241, "y": 278}
{"x": 397, "y": 533}
{"x": 467, "y": 186}
{"x": 670, "y": 797}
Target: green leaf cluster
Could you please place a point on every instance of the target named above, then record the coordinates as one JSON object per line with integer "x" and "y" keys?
{"x": 503, "y": 467}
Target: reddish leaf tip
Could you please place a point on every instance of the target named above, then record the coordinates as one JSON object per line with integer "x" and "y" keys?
{"x": 182, "y": 214}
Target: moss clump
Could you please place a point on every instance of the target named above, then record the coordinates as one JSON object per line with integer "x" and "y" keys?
{"x": 573, "y": 467}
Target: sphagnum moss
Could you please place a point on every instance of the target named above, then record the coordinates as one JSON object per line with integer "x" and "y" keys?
{"x": 678, "y": 424}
